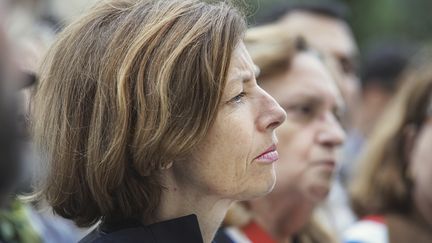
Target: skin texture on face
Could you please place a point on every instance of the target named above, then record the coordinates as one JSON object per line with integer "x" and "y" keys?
{"x": 225, "y": 164}
{"x": 421, "y": 171}
{"x": 308, "y": 139}
{"x": 331, "y": 37}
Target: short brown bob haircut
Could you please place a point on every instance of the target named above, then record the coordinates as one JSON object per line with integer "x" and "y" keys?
{"x": 384, "y": 184}
{"x": 125, "y": 90}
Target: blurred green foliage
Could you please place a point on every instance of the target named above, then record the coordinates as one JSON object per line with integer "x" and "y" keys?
{"x": 391, "y": 19}
{"x": 374, "y": 20}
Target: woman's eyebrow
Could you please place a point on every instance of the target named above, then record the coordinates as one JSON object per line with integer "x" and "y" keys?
{"x": 244, "y": 77}
{"x": 307, "y": 97}
{"x": 318, "y": 101}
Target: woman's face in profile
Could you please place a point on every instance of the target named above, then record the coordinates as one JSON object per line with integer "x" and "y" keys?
{"x": 308, "y": 139}
{"x": 236, "y": 159}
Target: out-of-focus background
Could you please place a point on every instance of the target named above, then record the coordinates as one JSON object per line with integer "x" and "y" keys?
{"x": 373, "y": 20}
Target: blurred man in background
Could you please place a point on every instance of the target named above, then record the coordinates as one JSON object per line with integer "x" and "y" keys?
{"x": 325, "y": 28}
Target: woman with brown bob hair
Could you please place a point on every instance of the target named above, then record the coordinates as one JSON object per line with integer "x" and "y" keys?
{"x": 391, "y": 194}
{"x": 152, "y": 122}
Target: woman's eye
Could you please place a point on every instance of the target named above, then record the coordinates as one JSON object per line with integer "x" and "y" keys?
{"x": 306, "y": 110}
{"x": 238, "y": 98}
{"x": 301, "y": 111}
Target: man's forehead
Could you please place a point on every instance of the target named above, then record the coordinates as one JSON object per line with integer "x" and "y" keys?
{"x": 324, "y": 33}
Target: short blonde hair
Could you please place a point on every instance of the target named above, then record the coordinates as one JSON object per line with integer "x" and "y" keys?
{"x": 128, "y": 88}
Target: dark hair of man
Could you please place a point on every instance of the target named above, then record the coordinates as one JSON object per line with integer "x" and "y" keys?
{"x": 330, "y": 9}
{"x": 384, "y": 63}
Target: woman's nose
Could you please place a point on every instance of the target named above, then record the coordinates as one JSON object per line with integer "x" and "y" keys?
{"x": 332, "y": 133}
{"x": 272, "y": 115}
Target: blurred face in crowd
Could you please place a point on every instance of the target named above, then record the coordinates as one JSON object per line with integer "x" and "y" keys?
{"x": 421, "y": 168}
{"x": 332, "y": 37}
{"x": 308, "y": 139}
{"x": 237, "y": 157}
{"x": 10, "y": 163}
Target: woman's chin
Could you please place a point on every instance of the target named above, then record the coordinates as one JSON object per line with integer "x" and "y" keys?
{"x": 259, "y": 189}
{"x": 267, "y": 188}
{"x": 319, "y": 193}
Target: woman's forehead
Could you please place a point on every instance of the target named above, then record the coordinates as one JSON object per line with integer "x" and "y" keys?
{"x": 241, "y": 68}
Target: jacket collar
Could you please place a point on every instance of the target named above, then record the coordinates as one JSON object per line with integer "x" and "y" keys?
{"x": 184, "y": 229}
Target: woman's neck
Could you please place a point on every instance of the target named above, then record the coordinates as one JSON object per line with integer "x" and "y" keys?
{"x": 177, "y": 201}
{"x": 283, "y": 217}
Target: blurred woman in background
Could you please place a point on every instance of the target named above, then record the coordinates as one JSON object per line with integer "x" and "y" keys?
{"x": 152, "y": 122}
{"x": 308, "y": 140}
{"x": 391, "y": 194}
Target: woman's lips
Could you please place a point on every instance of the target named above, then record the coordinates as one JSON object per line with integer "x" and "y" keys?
{"x": 328, "y": 164}
{"x": 269, "y": 156}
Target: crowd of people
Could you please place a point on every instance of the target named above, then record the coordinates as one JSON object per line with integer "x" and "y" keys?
{"x": 178, "y": 121}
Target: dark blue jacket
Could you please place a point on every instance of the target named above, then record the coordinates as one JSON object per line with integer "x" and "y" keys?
{"x": 180, "y": 230}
